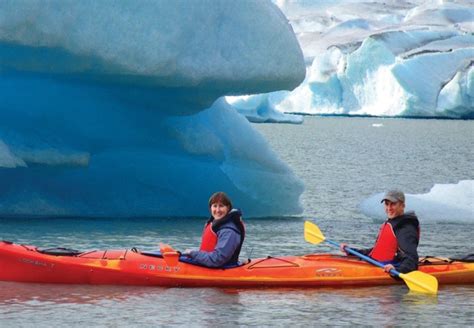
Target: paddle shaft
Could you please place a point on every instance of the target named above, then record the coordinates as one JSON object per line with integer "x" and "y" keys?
{"x": 362, "y": 256}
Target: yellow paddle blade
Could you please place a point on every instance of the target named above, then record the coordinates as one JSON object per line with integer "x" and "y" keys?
{"x": 420, "y": 282}
{"x": 312, "y": 234}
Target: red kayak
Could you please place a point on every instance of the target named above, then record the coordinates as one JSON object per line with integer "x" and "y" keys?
{"x": 24, "y": 263}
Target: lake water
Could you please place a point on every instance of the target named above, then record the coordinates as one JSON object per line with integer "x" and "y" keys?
{"x": 342, "y": 161}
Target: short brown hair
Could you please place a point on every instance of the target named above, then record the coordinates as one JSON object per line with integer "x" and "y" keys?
{"x": 220, "y": 197}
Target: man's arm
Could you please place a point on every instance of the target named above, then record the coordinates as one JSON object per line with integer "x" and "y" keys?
{"x": 407, "y": 236}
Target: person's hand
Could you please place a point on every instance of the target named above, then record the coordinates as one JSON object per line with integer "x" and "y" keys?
{"x": 342, "y": 248}
{"x": 187, "y": 252}
{"x": 388, "y": 267}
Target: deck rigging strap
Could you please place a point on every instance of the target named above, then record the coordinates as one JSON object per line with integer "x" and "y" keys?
{"x": 469, "y": 258}
{"x": 59, "y": 251}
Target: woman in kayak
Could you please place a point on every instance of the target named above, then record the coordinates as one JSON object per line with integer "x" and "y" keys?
{"x": 397, "y": 242}
{"x": 223, "y": 235}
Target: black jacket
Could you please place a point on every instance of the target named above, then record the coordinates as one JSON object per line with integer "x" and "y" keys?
{"x": 407, "y": 232}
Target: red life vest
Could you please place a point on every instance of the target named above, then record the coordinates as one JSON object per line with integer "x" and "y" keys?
{"x": 209, "y": 239}
{"x": 209, "y": 235}
{"x": 386, "y": 246}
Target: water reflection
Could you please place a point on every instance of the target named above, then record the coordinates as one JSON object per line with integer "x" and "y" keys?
{"x": 327, "y": 182}
{"x": 26, "y": 293}
{"x": 419, "y": 299}
{"x": 384, "y": 306}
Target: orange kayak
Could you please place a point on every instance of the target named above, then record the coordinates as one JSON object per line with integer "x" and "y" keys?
{"x": 24, "y": 263}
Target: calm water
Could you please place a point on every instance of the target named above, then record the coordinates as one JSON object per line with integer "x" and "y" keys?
{"x": 342, "y": 161}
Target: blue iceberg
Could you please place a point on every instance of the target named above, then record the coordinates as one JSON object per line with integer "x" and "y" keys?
{"x": 116, "y": 108}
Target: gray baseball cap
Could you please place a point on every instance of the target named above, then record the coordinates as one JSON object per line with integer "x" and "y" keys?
{"x": 394, "y": 196}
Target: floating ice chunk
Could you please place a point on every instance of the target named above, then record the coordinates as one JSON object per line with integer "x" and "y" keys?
{"x": 444, "y": 202}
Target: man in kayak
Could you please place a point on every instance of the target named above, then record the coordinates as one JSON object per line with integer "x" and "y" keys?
{"x": 223, "y": 235}
{"x": 397, "y": 242}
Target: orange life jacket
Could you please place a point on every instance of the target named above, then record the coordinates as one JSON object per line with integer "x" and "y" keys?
{"x": 209, "y": 239}
{"x": 386, "y": 246}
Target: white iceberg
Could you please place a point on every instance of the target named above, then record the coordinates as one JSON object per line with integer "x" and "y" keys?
{"x": 443, "y": 203}
{"x": 379, "y": 58}
{"x": 261, "y": 108}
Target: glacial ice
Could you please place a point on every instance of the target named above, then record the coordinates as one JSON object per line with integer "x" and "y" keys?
{"x": 379, "y": 58}
{"x": 112, "y": 108}
{"x": 259, "y": 109}
{"x": 443, "y": 203}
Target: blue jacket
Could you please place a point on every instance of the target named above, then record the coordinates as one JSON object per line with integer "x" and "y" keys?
{"x": 229, "y": 240}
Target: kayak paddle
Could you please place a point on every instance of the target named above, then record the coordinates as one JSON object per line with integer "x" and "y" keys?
{"x": 416, "y": 280}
